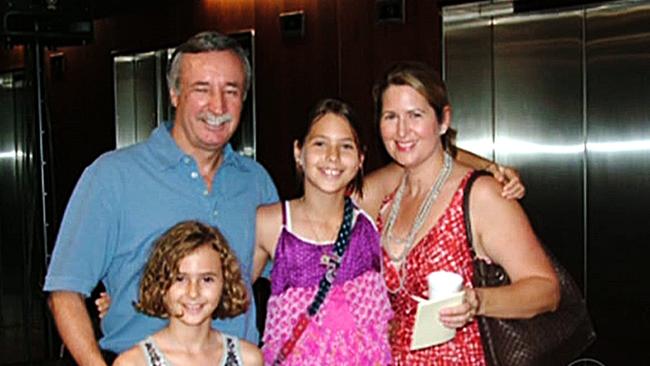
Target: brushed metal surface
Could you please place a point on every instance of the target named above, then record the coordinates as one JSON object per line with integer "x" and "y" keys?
{"x": 539, "y": 124}
{"x": 125, "y": 116}
{"x": 571, "y": 110}
{"x": 136, "y": 97}
{"x": 468, "y": 73}
{"x": 618, "y": 179}
{"x": 146, "y": 96}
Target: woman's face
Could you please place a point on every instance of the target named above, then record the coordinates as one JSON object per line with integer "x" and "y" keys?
{"x": 409, "y": 126}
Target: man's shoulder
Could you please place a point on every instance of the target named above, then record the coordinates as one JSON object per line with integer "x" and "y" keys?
{"x": 122, "y": 157}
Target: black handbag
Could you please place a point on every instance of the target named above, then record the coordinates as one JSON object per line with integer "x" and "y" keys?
{"x": 549, "y": 339}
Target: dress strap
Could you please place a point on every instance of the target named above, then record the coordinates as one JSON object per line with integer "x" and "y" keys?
{"x": 152, "y": 354}
{"x": 231, "y": 351}
{"x": 285, "y": 209}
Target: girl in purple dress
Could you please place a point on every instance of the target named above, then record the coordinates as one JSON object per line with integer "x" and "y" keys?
{"x": 328, "y": 303}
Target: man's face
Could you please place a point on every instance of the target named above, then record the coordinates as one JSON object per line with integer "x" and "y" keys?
{"x": 211, "y": 85}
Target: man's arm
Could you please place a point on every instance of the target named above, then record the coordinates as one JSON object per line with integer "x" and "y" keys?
{"x": 74, "y": 325}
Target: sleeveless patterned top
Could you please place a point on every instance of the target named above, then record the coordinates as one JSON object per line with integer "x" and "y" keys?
{"x": 444, "y": 247}
{"x": 231, "y": 352}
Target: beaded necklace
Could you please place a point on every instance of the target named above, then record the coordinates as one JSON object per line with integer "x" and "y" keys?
{"x": 420, "y": 218}
{"x": 333, "y": 262}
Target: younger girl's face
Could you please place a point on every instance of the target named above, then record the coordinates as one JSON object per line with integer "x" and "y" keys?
{"x": 329, "y": 157}
{"x": 196, "y": 290}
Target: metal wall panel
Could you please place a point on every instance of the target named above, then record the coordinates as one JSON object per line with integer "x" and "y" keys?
{"x": 468, "y": 68}
{"x": 136, "y": 97}
{"x": 22, "y": 322}
{"x": 539, "y": 123}
{"x": 124, "y": 69}
{"x": 572, "y": 112}
{"x": 146, "y": 98}
{"x": 618, "y": 110}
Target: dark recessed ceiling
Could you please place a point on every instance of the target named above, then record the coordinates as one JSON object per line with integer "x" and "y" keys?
{"x": 102, "y": 9}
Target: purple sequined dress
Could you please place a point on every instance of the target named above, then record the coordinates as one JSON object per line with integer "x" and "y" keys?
{"x": 351, "y": 327}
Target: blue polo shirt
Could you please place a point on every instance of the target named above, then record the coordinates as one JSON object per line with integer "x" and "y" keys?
{"x": 125, "y": 200}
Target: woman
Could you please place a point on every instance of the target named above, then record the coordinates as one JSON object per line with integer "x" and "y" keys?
{"x": 423, "y": 229}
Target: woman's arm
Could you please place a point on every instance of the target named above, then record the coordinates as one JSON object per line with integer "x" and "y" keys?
{"x": 502, "y": 233}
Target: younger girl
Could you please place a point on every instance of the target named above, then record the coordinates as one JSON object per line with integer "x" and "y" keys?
{"x": 328, "y": 303}
{"x": 192, "y": 276}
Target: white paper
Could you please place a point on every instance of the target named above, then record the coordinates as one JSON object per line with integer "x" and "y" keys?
{"x": 428, "y": 331}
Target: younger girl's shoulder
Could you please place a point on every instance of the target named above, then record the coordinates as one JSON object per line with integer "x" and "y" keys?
{"x": 132, "y": 357}
{"x": 249, "y": 354}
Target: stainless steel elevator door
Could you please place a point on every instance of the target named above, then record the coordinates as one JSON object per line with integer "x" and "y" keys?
{"x": 538, "y": 124}
{"x": 565, "y": 97}
{"x": 141, "y": 100}
{"x": 618, "y": 178}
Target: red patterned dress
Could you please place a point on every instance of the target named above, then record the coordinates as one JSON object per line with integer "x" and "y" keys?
{"x": 444, "y": 247}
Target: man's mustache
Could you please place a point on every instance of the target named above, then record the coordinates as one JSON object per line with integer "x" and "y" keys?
{"x": 216, "y": 120}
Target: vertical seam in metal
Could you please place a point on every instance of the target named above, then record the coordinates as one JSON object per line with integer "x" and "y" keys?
{"x": 585, "y": 170}
{"x": 37, "y": 55}
{"x": 493, "y": 91}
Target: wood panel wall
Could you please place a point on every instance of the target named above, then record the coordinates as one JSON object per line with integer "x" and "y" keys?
{"x": 344, "y": 49}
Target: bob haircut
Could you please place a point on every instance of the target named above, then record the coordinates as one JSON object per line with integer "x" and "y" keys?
{"x": 345, "y": 111}
{"x": 162, "y": 268}
{"x": 427, "y": 82}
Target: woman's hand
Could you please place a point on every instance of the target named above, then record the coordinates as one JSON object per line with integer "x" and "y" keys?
{"x": 463, "y": 314}
{"x": 103, "y": 302}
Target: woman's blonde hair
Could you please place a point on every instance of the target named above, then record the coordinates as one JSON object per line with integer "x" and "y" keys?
{"x": 162, "y": 269}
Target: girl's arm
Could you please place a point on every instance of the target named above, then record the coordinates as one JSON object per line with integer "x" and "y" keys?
{"x": 513, "y": 188}
{"x": 383, "y": 181}
{"x": 268, "y": 225}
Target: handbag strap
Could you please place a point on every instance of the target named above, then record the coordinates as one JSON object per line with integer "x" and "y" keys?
{"x": 333, "y": 262}
{"x": 468, "y": 223}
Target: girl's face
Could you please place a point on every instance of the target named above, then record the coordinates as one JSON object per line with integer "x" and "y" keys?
{"x": 196, "y": 290}
{"x": 330, "y": 157}
{"x": 409, "y": 126}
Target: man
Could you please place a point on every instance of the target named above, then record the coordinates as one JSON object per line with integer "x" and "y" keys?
{"x": 127, "y": 198}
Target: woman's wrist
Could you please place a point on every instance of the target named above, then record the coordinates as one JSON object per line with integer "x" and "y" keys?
{"x": 479, "y": 302}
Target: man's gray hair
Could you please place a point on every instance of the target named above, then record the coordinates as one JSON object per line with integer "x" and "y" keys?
{"x": 206, "y": 42}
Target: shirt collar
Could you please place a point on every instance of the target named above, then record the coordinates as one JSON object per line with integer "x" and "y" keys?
{"x": 169, "y": 154}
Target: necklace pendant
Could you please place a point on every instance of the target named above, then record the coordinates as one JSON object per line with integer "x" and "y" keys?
{"x": 330, "y": 260}
{"x": 325, "y": 260}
